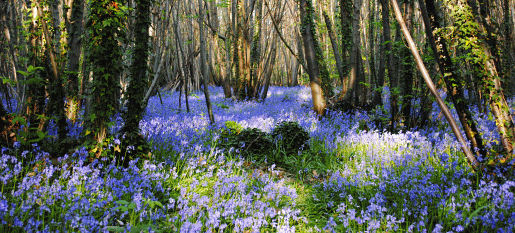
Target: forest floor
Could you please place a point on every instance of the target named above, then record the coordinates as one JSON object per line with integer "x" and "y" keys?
{"x": 347, "y": 179}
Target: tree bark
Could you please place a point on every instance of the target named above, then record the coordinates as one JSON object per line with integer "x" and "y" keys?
{"x": 203, "y": 62}
{"x": 346, "y": 11}
{"x": 420, "y": 64}
{"x": 354, "y": 63}
{"x": 407, "y": 72}
{"x": 136, "y": 99}
{"x": 385, "y": 51}
{"x": 336, "y": 51}
{"x": 308, "y": 36}
{"x": 450, "y": 76}
{"x": 73, "y": 23}
{"x": 498, "y": 104}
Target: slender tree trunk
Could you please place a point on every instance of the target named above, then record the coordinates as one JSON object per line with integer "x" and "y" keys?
{"x": 336, "y": 51}
{"x": 56, "y": 92}
{"x": 384, "y": 49}
{"x": 407, "y": 72}
{"x": 203, "y": 62}
{"x": 269, "y": 67}
{"x": 420, "y": 64}
{"x": 255, "y": 53}
{"x": 226, "y": 82}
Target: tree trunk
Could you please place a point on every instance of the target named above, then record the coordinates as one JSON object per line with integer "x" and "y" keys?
{"x": 497, "y": 100}
{"x": 354, "y": 63}
{"x": 73, "y": 23}
{"x": 420, "y": 64}
{"x": 308, "y": 36}
{"x": 255, "y": 54}
{"x": 346, "y": 11}
{"x": 406, "y": 72}
{"x": 336, "y": 51}
{"x": 385, "y": 49}
{"x": 56, "y": 92}
{"x": 203, "y": 62}
{"x": 450, "y": 76}
{"x": 105, "y": 68}
{"x": 138, "y": 85}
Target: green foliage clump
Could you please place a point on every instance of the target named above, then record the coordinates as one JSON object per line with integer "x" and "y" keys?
{"x": 229, "y": 135}
{"x": 254, "y": 142}
{"x": 233, "y": 127}
{"x": 291, "y": 136}
{"x": 249, "y": 142}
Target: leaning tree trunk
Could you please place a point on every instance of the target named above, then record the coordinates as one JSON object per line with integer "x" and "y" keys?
{"x": 420, "y": 64}
{"x": 56, "y": 92}
{"x": 450, "y": 76}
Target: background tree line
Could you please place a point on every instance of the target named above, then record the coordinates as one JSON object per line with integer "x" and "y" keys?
{"x": 58, "y": 57}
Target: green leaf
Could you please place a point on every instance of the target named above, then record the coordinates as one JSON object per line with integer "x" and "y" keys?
{"x": 140, "y": 228}
{"x": 122, "y": 202}
{"x": 23, "y": 73}
{"x": 115, "y": 229}
{"x": 122, "y": 208}
{"x": 21, "y": 120}
{"x": 41, "y": 135}
{"x": 132, "y": 206}
{"x": 158, "y": 204}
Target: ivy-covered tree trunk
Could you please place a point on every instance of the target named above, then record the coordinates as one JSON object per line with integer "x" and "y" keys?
{"x": 35, "y": 89}
{"x": 105, "y": 24}
{"x": 317, "y": 70}
{"x": 346, "y": 9}
{"x": 450, "y": 76}
{"x": 498, "y": 104}
{"x": 138, "y": 83}
{"x": 425, "y": 74}
{"x": 406, "y": 71}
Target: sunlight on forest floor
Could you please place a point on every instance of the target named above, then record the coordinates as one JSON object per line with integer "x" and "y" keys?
{"x": 349, "y": 179}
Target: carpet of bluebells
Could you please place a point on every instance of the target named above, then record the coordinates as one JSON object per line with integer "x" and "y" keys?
{"x": 374, "y": 181}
